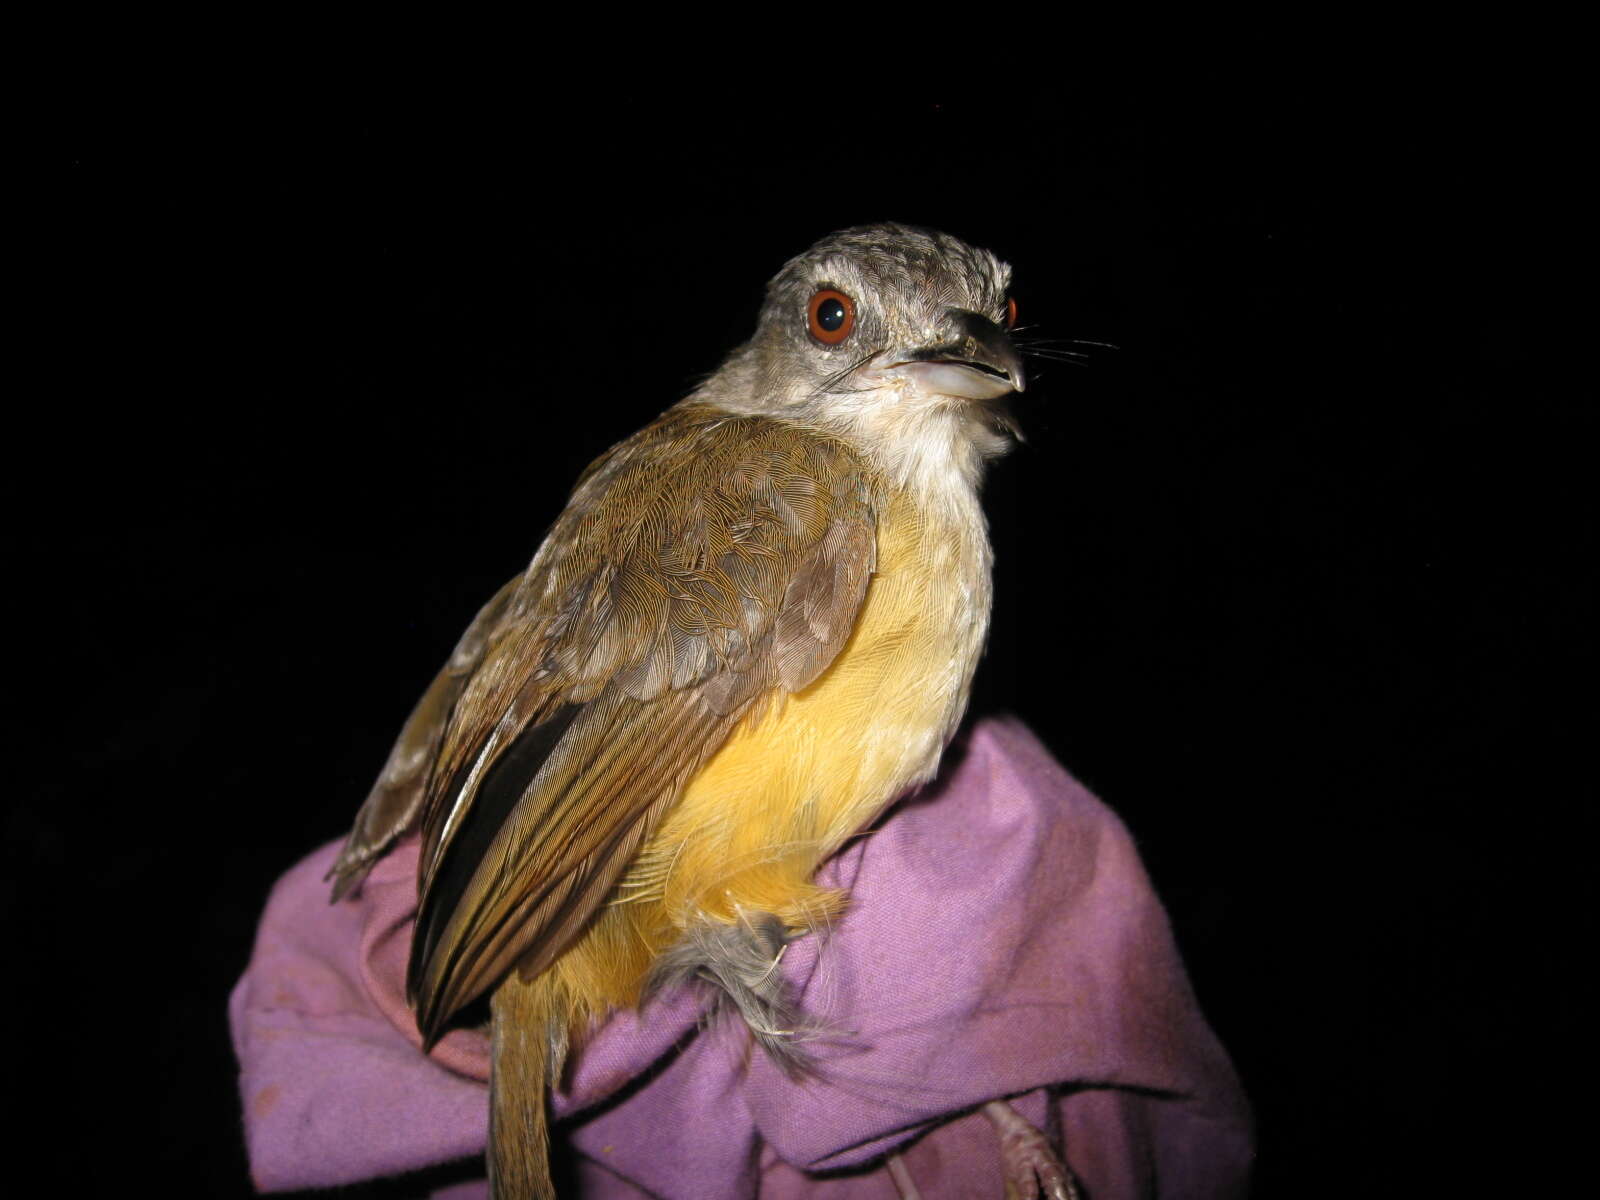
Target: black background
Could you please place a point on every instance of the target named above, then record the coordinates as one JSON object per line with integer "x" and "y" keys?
{"x": 1284, "y": 576}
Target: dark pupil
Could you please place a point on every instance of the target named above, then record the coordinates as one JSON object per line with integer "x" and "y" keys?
{"x": 830, "y": 314}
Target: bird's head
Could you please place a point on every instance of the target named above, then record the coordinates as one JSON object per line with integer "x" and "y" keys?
{"x": 892, "y": 335}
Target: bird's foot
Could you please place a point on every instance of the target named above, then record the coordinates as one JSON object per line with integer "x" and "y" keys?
{"x": 904, "y": 1186}
{"x": 1028, "y": 1162}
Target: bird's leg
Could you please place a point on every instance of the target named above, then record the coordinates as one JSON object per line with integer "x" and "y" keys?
{"x": 902, "y": 1179}
{"x": 1027, "y": 1160}
{"x": 742, "y": 960}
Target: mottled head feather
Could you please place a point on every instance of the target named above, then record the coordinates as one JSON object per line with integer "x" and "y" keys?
{"x": 914, "y": 290}
{"x": 902, "y": 277}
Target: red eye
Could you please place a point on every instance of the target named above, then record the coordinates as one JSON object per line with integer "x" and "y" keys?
{"x": 831, "y": 316}
{"x": 1011, "y": 313}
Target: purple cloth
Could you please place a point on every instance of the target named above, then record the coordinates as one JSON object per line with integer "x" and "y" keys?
{"x": 1002, "y": 939}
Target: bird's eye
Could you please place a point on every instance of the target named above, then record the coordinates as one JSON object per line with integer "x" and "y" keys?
{"x": 831, "y": 316}
{"x": 1011, "y": 313}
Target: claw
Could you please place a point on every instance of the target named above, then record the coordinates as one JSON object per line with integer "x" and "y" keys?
{"x": 1030, "y": 1164}
{"x": 902, "y": 1179}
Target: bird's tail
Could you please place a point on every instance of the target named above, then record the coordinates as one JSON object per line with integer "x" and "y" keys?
{"x": 526, "y": 1060}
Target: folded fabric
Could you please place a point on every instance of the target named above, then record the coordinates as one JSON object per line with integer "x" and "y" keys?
{"x": 1002, "y": 940}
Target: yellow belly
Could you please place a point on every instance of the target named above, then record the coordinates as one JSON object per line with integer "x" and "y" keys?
{"x": 798, "y": 778}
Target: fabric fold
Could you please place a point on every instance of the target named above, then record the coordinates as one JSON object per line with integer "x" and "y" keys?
{"x": 1002, "y": 939}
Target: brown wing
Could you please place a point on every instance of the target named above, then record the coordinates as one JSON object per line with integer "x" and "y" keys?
{"x": 700, "y": 565}
{"x": 395, "y": 802}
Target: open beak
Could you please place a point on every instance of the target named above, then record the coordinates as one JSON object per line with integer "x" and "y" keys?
{"x": 973, "y": 360}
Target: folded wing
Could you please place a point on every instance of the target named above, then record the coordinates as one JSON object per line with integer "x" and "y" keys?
{"x": 701, "y": 565}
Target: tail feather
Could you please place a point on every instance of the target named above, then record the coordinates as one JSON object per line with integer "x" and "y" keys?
{"x": 524, "y": 1066}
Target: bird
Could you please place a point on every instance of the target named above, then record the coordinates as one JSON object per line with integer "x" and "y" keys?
{"x": 754, "y": 626}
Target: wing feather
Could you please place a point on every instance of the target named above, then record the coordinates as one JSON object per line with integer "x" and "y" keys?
{"x": 700, "y": 565}
{"x": 395, "y": 802}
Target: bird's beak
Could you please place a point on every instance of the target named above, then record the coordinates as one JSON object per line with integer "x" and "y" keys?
{"x": 972, "y": 359}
